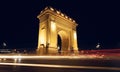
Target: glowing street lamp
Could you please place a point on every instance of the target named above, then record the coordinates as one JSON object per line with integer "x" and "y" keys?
{"x": 4, "y": 44}
{"x": 98, "y": 45}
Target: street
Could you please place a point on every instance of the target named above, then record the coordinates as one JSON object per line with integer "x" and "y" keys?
{"x": 58, "y": 64}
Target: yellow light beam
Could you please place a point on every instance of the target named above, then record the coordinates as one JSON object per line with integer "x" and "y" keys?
{"x": 51, "y": 57}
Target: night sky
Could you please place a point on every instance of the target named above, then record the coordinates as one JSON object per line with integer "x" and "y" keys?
{"x": 98, "y": 22}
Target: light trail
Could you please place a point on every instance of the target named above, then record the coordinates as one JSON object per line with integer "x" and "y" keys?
{"x": 50, "y": 57}
{"x": 62, "y": 66}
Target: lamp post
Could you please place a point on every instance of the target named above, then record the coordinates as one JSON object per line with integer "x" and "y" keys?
{"x": 98, "y": 46}
{"x": 4, "y": 45}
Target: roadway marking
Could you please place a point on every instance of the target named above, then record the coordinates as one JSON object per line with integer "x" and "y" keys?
{"x": 62, "y": 66}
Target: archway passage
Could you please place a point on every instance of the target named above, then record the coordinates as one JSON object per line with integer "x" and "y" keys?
{"x": 59, "y": 44}
{"x": 64, "y": 41}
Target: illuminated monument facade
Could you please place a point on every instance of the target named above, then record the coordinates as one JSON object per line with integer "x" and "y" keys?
{"x": 54, "y": 24}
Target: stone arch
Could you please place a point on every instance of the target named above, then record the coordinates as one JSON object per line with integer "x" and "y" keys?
{"x": 54, "y": 23}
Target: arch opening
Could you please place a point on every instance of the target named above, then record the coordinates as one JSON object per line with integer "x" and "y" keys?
{"x": 59, "y": 44}
{"x": 63, "y": 42}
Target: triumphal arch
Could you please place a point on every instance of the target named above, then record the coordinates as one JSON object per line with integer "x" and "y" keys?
{"x": 57, "y": 33}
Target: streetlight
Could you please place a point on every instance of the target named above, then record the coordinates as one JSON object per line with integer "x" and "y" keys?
{"x": 98, "y": 45}
{"x": 4, "y": 44}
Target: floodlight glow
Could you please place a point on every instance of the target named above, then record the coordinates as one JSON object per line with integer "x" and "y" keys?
{"x": 75, "y": 36}
{"x": 53, "y": 26}
{"x": 58, "y": 12}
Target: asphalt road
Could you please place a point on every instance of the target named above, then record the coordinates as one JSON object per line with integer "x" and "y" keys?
{"x": 45, "y": 69}
{"x": 60, "y": 65}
